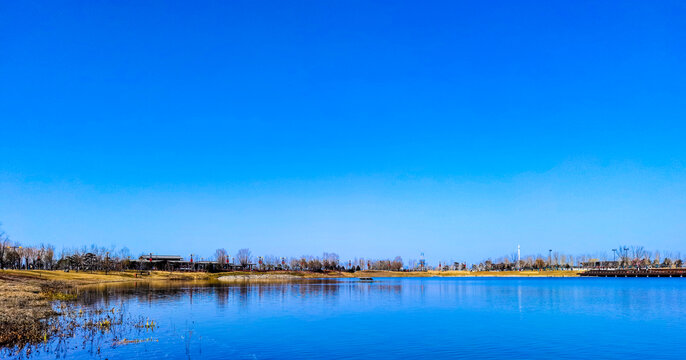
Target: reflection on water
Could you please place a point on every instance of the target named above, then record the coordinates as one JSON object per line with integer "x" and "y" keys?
{"x": 242, "y": 294}
{"x": 388, "y": 318}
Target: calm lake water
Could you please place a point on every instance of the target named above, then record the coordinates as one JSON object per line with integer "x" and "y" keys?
{"x": 390, "y": 318}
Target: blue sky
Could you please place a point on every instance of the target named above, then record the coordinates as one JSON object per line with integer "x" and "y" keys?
{"x": 367, "y": 128}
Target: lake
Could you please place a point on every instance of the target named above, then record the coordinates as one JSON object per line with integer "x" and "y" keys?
{"x": 390, "y": 318}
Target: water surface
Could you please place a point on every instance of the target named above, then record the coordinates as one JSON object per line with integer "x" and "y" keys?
{"x": 390, "y": 318}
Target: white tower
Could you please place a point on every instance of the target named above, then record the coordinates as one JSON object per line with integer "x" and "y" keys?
{"x": 518, "y": 256}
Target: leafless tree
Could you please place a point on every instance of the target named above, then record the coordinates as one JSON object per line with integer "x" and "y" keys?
{"x": 330, "y": 261}
{"x": 270, "y": 262}
{"x": 221, "y": 256}
{"x": 125, "y": 253}
{"x": 244, "y": 257}
{"x": 4, "y": 248}
{"x": 397, "y": 264}
{"x": 513, "y": 257}
{"x": 638, "y": 252}
{"x": 315, "y": 264}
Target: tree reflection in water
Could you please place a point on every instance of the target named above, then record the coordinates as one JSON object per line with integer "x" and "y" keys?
{"x": 100, "y": 317}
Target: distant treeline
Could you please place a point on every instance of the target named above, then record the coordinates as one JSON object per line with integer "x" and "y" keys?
{"x": 621, "y": 257}
{"x": 15, "y": 256}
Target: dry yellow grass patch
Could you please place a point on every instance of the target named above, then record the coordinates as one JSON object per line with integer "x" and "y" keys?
{"x": 23, "y": 302}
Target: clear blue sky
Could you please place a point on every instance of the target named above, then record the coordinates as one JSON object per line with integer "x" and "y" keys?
{"x": 368, "y": 128}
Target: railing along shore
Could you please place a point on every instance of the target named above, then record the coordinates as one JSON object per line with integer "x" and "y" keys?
{"x": 636, "y": 273}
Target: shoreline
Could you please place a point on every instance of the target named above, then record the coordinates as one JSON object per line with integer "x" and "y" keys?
{"x": 76, "y": 279}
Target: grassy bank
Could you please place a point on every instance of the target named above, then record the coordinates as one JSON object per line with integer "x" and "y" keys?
{"x": 24, "y": 301}
{"x": 86, "y": 278}
{"x": 26, "y": 296}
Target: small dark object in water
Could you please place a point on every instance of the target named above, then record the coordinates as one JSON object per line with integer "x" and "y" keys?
{"x": 366, "y": 279}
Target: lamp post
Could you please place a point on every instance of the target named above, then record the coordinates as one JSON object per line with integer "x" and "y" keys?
{"x": 550, "y": 261}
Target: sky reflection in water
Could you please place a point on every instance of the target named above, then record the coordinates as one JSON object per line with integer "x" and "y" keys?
{"x": 394, "y": 318}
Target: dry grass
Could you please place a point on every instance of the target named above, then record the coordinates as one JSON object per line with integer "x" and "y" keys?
{"x": 24, "y": 302}
{"x": 98, "y": 277}
{"x": 26, "y": 296}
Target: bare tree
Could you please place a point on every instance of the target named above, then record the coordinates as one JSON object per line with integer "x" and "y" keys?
{"x": 125, "y": 253}
{"x": 623, "y": 251}
{"x": 244, "y": 257}
{"x": 4, "y": 248}
{"x": 638, "y": 252}
{"x": 397, "y": 264}
{"x": 221, "y": 256}
{"x": 556, "y": 259}
{"x": 513, "y": 258}
{"x": 295, "y": 264}
{"x": 270, "y": 261}
{"x": 330, "y": 261}
{"x": 12, "y": 259}
{"x": 314, "y": 264}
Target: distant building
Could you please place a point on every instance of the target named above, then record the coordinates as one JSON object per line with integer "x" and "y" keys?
{"x": 159, "y": 258}
{"x": 175, "y": 262}
{"x": 597, "y": 264}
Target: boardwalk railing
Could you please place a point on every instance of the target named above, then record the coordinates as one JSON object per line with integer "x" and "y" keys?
{"x": 636, "y": 273}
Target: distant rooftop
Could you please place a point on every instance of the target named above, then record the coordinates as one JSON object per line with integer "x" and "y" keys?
{"x": 160, "y": 257}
